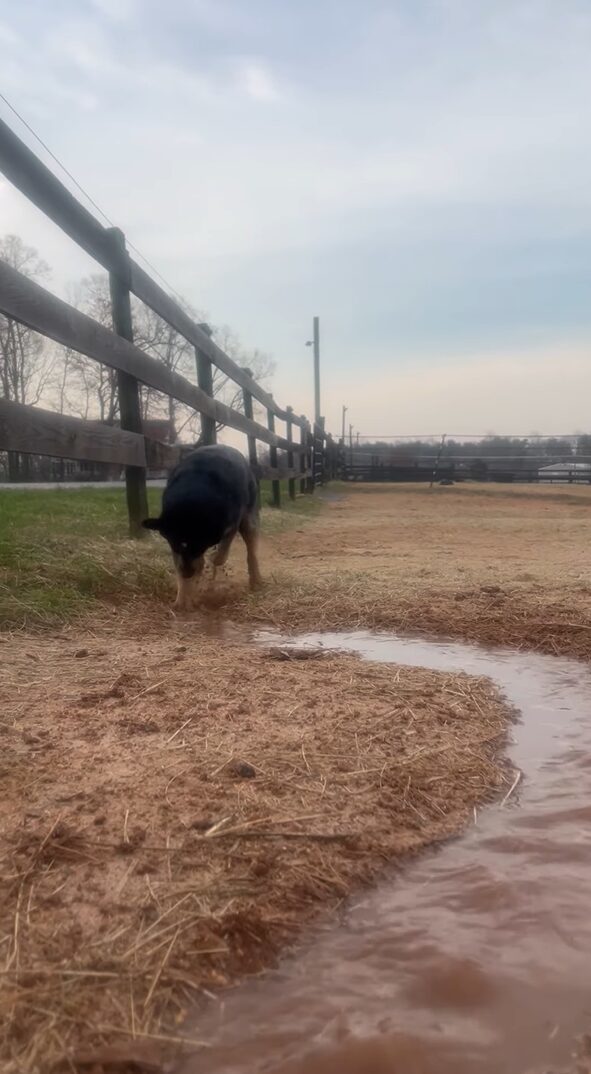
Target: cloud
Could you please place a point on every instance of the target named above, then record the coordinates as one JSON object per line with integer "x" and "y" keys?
{"x": 117, "y": 11}
{"x": 418, "y": 174}
{"x": 7, "y": 35}
{"x": 258, "y": 82}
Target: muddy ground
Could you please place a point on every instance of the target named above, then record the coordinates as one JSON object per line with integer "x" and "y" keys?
{"x": 178, "y": 802}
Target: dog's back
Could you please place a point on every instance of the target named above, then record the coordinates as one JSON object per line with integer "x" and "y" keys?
{"x": 215, "y": 476}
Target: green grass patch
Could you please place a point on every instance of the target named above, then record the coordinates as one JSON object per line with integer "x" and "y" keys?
{"x": 64, "y": 550}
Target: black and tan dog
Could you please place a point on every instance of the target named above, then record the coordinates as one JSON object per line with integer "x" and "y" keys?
{"x": 209, "y": 497}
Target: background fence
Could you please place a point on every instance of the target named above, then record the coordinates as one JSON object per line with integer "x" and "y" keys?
{"x": 310, "y": 455}
{"x": 535, "y": 457}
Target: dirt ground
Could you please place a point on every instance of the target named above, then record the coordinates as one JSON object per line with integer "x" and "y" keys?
{"x": 177, "y": 802}
{"x": 502, "y": 565}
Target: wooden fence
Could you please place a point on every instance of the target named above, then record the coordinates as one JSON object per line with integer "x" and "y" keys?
{"x": 312, "y": 457}
{"x": 364, "y": 466}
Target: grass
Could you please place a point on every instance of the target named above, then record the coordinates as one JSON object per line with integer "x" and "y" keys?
{"x": 493, "y": 564}
{"x": 61, "y": 551}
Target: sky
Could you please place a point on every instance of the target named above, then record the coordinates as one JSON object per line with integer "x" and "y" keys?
{"x": 415, "y": 172}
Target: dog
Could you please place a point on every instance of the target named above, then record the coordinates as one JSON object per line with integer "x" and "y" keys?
{"x": 210, "y": 496}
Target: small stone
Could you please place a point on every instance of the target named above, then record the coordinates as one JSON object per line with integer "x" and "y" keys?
{"x": 201, "y": 824}
{"x": 242, "y": 770}
{"x": 80, "y": 653}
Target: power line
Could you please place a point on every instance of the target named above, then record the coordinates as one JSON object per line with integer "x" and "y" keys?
{"x": 56, "y": 159}
{"x": 172, "y": 290}
{"x": 89, "y": 198}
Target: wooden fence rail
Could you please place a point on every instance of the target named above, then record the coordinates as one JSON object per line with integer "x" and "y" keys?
{"x": 23, "y": 428}
{"x": 28, "y": 302}
{"x": 31, "y": 430}
{"x": 20, "y": 165}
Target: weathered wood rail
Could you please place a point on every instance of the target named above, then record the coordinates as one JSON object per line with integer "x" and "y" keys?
{"x": 311, "y": 459}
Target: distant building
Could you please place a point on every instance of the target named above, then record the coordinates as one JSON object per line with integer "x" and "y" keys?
{"x": 566, "y": 473}
{"x": 163, "y": 430}
{"x": 159, "y": 429}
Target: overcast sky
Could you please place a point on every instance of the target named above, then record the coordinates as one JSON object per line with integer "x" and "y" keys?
{"x": 416, "y": 172}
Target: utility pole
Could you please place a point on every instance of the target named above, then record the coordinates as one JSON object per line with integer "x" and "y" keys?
{"x": 315, "y": 343}
{"x": 345, "y": 409}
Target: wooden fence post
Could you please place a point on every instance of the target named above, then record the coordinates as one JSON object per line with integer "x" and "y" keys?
{"x": 330, "y": 457}
{"x": 309, "y": 458}
{"x": 205, "y": 382}
{"x": 129, "y": 395}
{"x": 303, "y": 454}
{"x": 291, "y": 485}
{"x": 319, "y": 454}
{"x": 251, "y": 440}
{"x": 275, "y": 485}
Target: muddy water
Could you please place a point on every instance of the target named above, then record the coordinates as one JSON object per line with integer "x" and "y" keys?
{"x": 476, "y": 957}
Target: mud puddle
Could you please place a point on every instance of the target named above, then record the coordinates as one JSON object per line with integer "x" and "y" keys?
{"x": 476, "y": 957}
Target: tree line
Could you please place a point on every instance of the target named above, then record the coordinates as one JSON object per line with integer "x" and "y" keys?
{"x": 551, "y": 448}
{"x": 36, "y": 371}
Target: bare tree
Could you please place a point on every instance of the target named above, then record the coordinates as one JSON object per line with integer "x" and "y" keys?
{"x": 31, "y": 367}
{"x": 261, "y": 365}
{"x": 25, "y": 360}
{"x": 160, "y": 340}
{"x": 90, "y": 389}
{"x": 93, "y": 387}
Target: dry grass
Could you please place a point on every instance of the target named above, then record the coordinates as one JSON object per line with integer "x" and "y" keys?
{"x": 499, "y": 564}
{"x": 490, "y": 564}
{"x": 176, "y": 805}
{"x": 174, "y": 809}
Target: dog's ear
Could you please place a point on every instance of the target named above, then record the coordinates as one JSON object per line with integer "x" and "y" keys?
{"x": 153, "y": 524}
